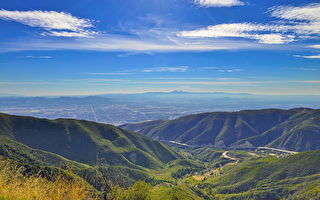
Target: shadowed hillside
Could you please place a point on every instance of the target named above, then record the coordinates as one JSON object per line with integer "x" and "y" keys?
{"x": 87, "y": 142}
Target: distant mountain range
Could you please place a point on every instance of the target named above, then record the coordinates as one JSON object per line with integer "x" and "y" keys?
{"x": 174, "y": 92}
{"x": 120, "y": 109}
{"x": 295, "y": 129}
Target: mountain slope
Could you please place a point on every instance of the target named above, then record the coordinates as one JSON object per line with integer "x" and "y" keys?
{"x": 268, "y": 178}
{"x": 300, "y": 132}
{"x": 87, "y": 142}
{"x": 23, "y": 154}
{"x": 295, "y": 129}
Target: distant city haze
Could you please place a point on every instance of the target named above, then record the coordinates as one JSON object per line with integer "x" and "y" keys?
{"x": 120, "y": 109}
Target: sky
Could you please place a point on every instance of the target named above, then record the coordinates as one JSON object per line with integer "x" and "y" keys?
{"x": 89, "y": 47}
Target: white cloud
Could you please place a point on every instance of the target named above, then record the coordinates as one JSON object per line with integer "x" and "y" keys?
{"x": 230, "y": 70}
{"x": 227, "y": 79}
{"x": 221, "y": 69}
{"x": 304, "y": 20}
{"x": 96, "y": 80}
{"x": 218, "y": 3}
{"x": 293, "y": 23}
{"x": 55, "y": 23}
{"x": 208, "y": 68}
{"x": 70, "y": 34}
{"x": 316, "y": 46}
{"x": 47, "y": 57}
{"x": 274, "y": 38}
{"x": 167, "y": 69}
{"x": 309, "y": 81}
{"x": 116, "y": 73}
{"x": 309, "y": 69}
{"x": 241, "y": 30}
{"x": 309, "y": 12}
{"x": 223, "y": 30}
{"x": 108, "y": 42}
{"x": 313, "y": 56}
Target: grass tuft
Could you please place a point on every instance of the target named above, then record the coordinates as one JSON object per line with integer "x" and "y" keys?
{"x": 14, "y": 184}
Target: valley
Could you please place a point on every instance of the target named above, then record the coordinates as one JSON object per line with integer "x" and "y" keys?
{"x": 113, "y": 161}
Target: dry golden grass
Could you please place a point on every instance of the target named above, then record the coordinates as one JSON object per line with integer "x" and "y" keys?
{"x": 14, "y": 185}
{"x": 214, "y": 172}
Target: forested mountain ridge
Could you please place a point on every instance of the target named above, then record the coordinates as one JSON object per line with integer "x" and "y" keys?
{"x": 294, "y": 129}
{"x": 87, "y": 142}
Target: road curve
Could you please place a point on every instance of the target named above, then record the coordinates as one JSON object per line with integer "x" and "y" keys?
{"x": 228, "y": 157}
{"x": 282, "y": 150}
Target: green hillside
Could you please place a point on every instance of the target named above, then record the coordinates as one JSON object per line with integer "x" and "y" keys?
{"x": 25, "y": 155}
{"x": 115, "y": 163}
{"x": 260, "y": 178}
{"x": 270, "y": 178}
{"x": 87, "y": 142}
{"x": 295, "y": 129}
{"x": 300, "y": 132}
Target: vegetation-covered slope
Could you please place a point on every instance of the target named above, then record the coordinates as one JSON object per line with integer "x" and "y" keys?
{"x": 300, "y": 132}
{"x": 269, "y": 178}
{"x": 295, "y": 129}
{"x": 112, "y": 165}
{"x": 87, "y": 142}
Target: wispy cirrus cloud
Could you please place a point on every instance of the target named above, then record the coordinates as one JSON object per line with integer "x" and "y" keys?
{"x": 210, "y": 38}
{"x": 54, "y": 23}
{"x": 167, "y": 69}
{"x": 241, "y": 30}
{"x": 294, "y": 23}
{"x": 44, "y": 57}
{"x": 316, "y": 46}
{"x": 309, "y": 81}
{"x": 227, "y": 79}
{"x": 101, "y": 73}
{"x": 309, "y": 69}
{"x": 230, "y": 70}
{"x": 312, "y": 56}
{"x": 219, "y": 3}
{"x": 303, "y": 20}
{"x": 110, "y": 42}
{"x": 221, "y": 69}
{"x": 182, "y": 78}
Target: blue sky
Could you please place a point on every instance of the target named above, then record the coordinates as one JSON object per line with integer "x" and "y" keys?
{"x": 87, "y": 47}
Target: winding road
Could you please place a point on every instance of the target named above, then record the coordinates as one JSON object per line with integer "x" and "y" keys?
{"x": 228, "y": 157}
{"x": 281, "y": 150}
